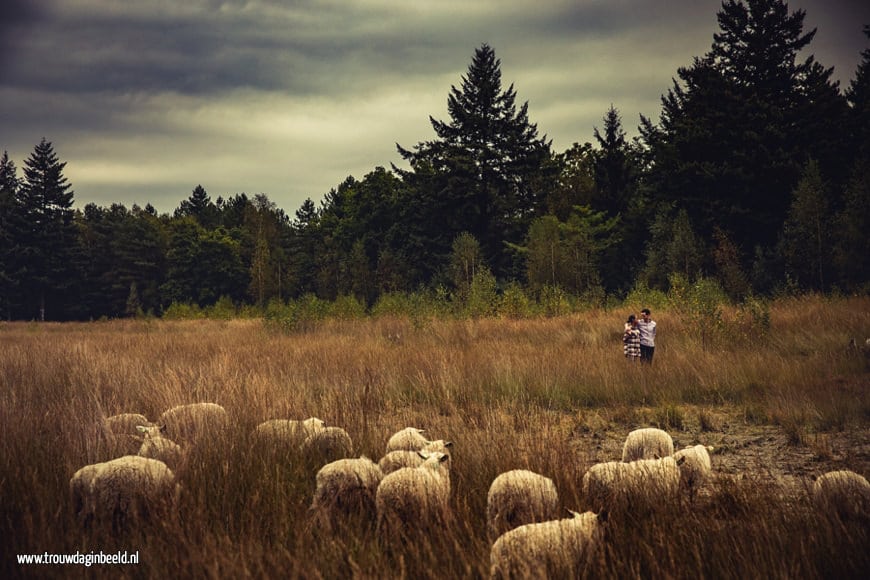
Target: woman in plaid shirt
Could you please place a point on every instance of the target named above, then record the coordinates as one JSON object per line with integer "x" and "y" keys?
{"x": 631, "y": 339}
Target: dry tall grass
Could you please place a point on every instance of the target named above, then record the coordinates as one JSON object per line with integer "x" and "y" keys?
{"x": 550, "y": 395}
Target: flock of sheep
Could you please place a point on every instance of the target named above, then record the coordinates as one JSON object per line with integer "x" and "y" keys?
{"x": 409, "y": 488}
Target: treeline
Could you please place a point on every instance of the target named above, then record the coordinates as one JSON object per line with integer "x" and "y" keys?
{"x": 756, "y": 176}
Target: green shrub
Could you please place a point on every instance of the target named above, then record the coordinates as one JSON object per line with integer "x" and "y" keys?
{"x": 699, "y": 305}
{"x": 223, "y": 309}
{"x": 183, "y": 311}
{"x": 642, "y": 296}
{"x": 482, "y": 296}
{"x": 552, "y": 301}
{"x": 348, "y": 308}
{"x": 514, "y": 302}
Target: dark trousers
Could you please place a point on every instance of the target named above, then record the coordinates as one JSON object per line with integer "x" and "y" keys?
{"x": 646, "y": 353}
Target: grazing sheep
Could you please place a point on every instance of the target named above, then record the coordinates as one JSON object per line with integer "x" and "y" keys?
{"x": 194, "y": 422}
{"x": 649, "y": 443}
{"x": 155, "y": 446}
{"x": 80, "y": 490}
{"x": 695, "y": 467}
{"x": 395, "y": 460}
{"x": 124, "y": 423}
{"x": 345, "y": 490}
{"x": 439, "y": 445}
{"x": 843, "y": 493}
{"x": 519, "y": 497}
{"x": 640, "y": 485}
{"x": 414, "y": 497}
{"x": 552, "y": 549}
{"x": 327, "y": 445}
{"x": 286, "y": 433}
{"x": 408, "y": 439}
{"x": 124, "y": 487}
{"x": 120, "y": 433}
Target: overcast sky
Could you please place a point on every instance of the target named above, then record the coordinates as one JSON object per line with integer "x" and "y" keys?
{"x": 146, "y": 99}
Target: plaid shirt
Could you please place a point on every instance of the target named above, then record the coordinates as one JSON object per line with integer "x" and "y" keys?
{"x": 631, "y": 341}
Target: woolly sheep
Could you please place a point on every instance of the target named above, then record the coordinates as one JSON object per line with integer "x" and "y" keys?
{"x": 642, "y": 484}
{"x": 194, "y": 422}
{"x": 326, "y": 445}
{"x": 408, "y": 439}
{"x": 125, "y": 423}
{"x": 695, "y": 467}
{"x": 414, "y": 496}
{"x": 116, "y": 489}
{"x": 288, "y": 433}
{"x": 395, "y": 460}
{"x": 552, "y": 549}
{"x": 519, "y": 497}
{"x": 155, "y": 446}
{"x": 843, "y": 493}
{"x": 346, "y": 488}
{"x": 120, "y": 433}
{"x": 649, "y": 443}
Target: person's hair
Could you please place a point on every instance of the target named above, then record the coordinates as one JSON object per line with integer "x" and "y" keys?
{"x": 631, "y": 317}
{"x": 645, "y": 311}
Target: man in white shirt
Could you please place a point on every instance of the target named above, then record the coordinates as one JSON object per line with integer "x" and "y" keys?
{"x": 647, "y": 327}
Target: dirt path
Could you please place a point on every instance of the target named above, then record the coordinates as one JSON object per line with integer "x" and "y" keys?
{"x": 763, "y": 452}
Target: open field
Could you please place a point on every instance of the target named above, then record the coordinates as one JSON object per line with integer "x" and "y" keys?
{"x": 551, "y": 395}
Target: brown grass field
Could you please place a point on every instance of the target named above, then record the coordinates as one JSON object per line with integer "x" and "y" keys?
{"x": 553, "y": 395}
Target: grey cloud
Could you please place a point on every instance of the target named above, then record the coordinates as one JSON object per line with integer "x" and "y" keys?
{"x": 161, "y": 88}
{"x": 18, "y": 17}
{"x": 211, "y": 51}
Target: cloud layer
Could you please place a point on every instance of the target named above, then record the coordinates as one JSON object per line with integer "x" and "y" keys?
{"x": 147, "y": 99}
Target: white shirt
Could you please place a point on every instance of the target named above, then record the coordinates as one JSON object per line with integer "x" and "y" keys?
{"x": 647, "y": 332}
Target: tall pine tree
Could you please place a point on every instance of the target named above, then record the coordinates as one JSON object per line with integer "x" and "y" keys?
{"x": 50, "y": 238}
{"x": 617, "y": 173}
{"x": 738, "y": 129}
{"x": 487, "y": 167}
{"x": 11, "y": 264}
{"x": 858, "y": 95}
{"x": 200, "y": 207}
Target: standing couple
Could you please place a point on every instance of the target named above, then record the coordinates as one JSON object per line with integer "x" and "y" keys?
{"x": 639, "y": 338}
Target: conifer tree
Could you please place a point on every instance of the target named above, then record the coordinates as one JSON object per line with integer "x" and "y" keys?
{"x": 858, "y": 95}
{"x": 738, "y": 127}
{"x": 806, "y": 240}
{"x": 50, "y": 236}
{"x": 486, "y": 169}
{"x": 11, "y": 264}
{"x": 200, "y": 207}
{"x": 303, "y": 246}
{"x": 614, "y": 171}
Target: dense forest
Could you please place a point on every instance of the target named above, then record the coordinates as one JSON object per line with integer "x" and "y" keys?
{"x": 756, "y": 176}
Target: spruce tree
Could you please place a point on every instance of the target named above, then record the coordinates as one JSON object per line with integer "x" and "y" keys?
{"x": 303, "y": 245}
{"x": 200, "y": 207}
{"x": 11, "y": 265}
{"x": 858, "y": 95}
{"x": 741, "y": 122}
{"x": 615, "y": 174}
{"x": 486, "y": 168}
{"x": 852, "y": 254}
{"x": 50, "y": 237}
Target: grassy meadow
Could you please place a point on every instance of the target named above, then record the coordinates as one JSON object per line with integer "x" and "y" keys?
{"x": 553, "y": 395}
